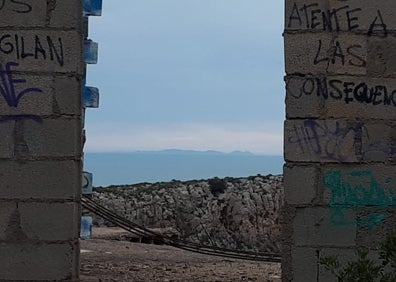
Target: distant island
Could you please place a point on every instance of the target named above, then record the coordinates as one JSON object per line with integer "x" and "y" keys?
{"x": 194, "y": 152}
{"x": 156, "y": 166}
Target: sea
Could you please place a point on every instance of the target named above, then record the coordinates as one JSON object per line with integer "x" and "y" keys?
{"x": 163, "y": 166}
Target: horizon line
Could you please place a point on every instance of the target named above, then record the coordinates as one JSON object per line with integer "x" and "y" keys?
{"x": 169, "y": 150}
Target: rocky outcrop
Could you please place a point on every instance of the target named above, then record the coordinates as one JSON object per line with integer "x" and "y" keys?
{"x": 236, "y": 213}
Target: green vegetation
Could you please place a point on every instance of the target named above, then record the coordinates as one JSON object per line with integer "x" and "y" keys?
{"x": 365, "y": 269}
{"x": 217, "y": 186}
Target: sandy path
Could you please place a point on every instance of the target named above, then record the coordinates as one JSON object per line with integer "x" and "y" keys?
{"x": 111, "y": 260}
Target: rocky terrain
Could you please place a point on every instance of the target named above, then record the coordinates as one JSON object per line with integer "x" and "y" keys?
{"x": 236, "y": 213}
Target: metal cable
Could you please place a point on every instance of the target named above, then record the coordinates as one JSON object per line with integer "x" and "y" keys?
{"x": 174, "y": 241}
{"x": 178, "y": 243}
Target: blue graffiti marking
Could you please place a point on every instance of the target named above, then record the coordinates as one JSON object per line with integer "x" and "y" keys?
{"x": 331, "y": 141}
{"x": 7, "y": 87}
{"x": 336, "y": 142}
{"x": 349, "y": 192}
{"x": 13, "y": 98}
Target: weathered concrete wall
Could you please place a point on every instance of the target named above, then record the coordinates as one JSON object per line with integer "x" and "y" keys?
{"x": 41, "y": 68}
{"x": 340, "y": 178}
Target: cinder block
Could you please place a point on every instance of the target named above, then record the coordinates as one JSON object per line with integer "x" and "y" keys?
{"x": 336, "y": 140}
{"x": 319, "y": 141}
{"x": 371, "y": 15}
{"x": 47, "y": 95}
{"x": 40, "y": 180}
{"x": 325, "y": 53}
{"x": 304, "y": 264}
{"x": 298, "y": 15}
{"x": 392, "y": 153}
{"x": 50, "y": 221}
{"x": 33, "y": 262}
{"x": 374, "y": 225}
{"x": 8, "y": 230}
{"x": 20, "y": 222}
{"x": 22, "y": 14}
{"x": 319, "y": 226}
{"x": 7, "y": 138}
{"x": 356, "y": 16}
{"x": 53, "y": 138}
{"x": 301, "y": 50}
{"x": 37, "y": 101}
{"x": 381, "y": 57}
{"x": 376, "y": 141}
{"x": 302, "y": 97}
{"x": 361, "y": 98}
{"x": 68, "y": 95}
{"x": 300, "y": 184}
{"x": 42, "y": 50}
{"x": 66, "y": 14}
{"x": 360, "y": 185}
{"x": 340, "y": 97}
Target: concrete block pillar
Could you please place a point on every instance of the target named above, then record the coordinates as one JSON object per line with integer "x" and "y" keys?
{"x": 339, "y": 136}
{"x": 41, "y": 68}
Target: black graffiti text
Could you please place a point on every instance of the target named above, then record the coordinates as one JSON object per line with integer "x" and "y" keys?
{"x": 344, "y": 91}
{"x": 331, "y": 140}
{"x": 311, "y": 16}
{"x": 336, "y": 53}
{"x": 38, "y": 47}
{"x": 17, "y": 6}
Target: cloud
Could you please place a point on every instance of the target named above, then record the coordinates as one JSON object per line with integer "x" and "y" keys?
{"x": 200, "y": 63}
{"x": 256, "y": 138}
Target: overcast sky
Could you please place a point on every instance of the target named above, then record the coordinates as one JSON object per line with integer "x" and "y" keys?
{"x": 188, "y": 74}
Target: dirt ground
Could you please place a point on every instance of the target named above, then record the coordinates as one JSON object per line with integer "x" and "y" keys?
{"x": 106, "y": 258}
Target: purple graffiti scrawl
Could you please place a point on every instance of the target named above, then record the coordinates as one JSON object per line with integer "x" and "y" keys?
{"x": 13, "y": 98}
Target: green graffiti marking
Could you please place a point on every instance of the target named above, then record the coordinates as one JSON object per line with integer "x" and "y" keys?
{"x": 358, "y": 189}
